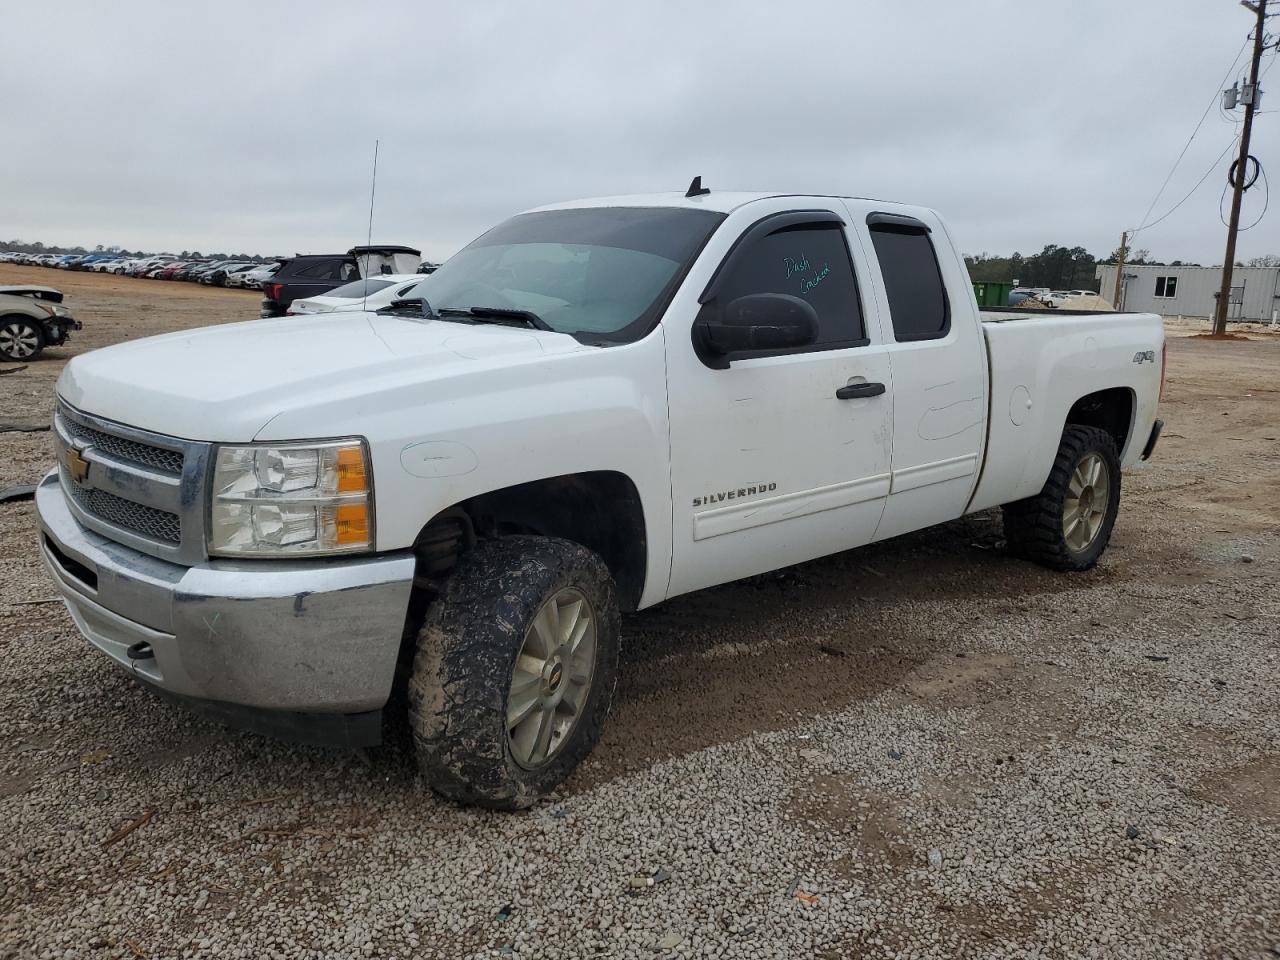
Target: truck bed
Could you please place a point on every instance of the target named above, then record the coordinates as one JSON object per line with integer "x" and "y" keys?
{"x": 1003, "y": 314}
{"x": 1040, "y": 362}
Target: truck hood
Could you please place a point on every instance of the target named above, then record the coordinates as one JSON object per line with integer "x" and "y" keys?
{"x": 226, "y": 383}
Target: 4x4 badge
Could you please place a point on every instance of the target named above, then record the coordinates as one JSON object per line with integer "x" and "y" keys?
{"x": 77, "y": 465}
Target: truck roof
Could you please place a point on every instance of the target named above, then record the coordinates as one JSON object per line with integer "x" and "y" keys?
{"x": 723, "y": 201}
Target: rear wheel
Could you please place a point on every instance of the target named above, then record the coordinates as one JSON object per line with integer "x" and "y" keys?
{"x": 1068, "y": 524}
{"x": 514, "y": 671}
{"x": 20, "y": 339}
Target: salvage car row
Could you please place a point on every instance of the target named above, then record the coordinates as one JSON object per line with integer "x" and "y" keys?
{"x": 249, "y": 274}
{"x": 367, "y": 278}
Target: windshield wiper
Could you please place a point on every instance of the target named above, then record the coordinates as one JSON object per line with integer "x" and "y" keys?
{"x": 497, "y": 315}
{"x": 411, "y": 303}
{"x": 417, "y": 305}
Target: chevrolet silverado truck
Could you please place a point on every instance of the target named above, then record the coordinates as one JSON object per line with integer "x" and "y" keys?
{"x": 592, "y": 408}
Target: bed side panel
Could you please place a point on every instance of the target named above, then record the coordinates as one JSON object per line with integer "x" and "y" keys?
{"x": 1039, "y": 368}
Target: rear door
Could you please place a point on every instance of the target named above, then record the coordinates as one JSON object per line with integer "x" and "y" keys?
{"x": 928, "y": 313}
{"x": 774, "y": 460}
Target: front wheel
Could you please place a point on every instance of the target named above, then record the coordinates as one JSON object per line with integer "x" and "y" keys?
{"x": 20, "y": 339}
{"x": 1068, "y": 524}
{"x": 514, "y": 671}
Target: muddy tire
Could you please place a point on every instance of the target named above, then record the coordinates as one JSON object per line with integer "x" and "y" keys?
{"x": 1068, "y": 524}
{"x": 496, "y": 667}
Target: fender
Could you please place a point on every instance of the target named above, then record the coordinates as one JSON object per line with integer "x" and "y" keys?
{"x": 554, "y": 408}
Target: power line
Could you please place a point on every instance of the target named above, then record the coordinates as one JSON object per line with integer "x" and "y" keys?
{"x": 1202, "y": 179}
{"x": 1215, "y": 99}
{"x": 1205, "y": 177}
{"x": 1266, "y": 197}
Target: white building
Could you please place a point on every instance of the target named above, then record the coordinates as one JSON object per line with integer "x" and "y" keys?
{"x": 1193, "y": 291}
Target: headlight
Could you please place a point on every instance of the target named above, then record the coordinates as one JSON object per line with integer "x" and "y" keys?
{"x": 291, "y": 498}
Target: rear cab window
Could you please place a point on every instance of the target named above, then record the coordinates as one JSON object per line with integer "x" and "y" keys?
{"x": 918, "y": 304}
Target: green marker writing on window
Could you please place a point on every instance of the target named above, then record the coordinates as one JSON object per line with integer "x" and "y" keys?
{"x": 795, "y": 266}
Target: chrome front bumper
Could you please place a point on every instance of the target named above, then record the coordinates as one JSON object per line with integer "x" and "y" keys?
{"x": 302, "y": 637}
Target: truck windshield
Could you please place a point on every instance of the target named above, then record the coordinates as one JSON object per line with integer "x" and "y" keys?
{"x": 602, "y": 272}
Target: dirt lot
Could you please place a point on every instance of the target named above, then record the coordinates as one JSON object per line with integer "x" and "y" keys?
{"x": 924, "y": 748}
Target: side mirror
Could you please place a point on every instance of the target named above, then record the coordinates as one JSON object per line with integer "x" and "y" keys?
{"x": 758, "y": 321}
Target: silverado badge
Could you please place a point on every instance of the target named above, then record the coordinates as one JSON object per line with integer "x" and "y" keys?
{"x": 76, "y": 465}
{"x": 722, "y": 495}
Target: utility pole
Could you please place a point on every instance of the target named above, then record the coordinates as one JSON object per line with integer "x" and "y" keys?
{"x": 1124, "y": 242}
{"x": 1224, "y": 296}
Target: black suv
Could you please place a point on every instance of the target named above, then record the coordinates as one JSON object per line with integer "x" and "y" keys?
{"x": 315, "y": 274}
{"x": 307, "y": 276}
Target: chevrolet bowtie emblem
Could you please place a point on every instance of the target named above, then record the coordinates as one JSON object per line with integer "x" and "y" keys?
{"x": 77, "y": 465}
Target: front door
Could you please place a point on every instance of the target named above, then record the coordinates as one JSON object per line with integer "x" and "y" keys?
{"x": 785, "y": 455}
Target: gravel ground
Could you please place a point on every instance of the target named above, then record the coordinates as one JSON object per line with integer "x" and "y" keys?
{"x": 921, "y": 749}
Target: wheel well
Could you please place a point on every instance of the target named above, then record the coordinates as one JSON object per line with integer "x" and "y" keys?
{"x": 600, "y": 510}
{"x": 1110, "y": 409}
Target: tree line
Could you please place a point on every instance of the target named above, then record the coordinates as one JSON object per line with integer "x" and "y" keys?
{"x": 1071, "y": 268}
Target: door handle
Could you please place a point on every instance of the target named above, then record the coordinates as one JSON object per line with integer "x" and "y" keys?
{"x": 856, "y": 391}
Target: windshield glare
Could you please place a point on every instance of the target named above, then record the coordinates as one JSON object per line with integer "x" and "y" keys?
{"x": 600, "y": 271}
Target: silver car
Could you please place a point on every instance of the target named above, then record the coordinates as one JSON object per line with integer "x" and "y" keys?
{"x": 32, "y": 318}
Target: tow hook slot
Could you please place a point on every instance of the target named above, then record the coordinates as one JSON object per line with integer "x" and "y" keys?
{"x": 140, "y": 651}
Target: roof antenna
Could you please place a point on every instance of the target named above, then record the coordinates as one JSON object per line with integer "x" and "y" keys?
{"x": 696, "y": 189}
{"x": 368, "y": 255}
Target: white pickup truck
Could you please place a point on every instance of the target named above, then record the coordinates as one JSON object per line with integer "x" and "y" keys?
{"x": 593, "y": 407}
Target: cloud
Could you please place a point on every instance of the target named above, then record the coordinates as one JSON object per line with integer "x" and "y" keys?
{"x": 250, "y": 127}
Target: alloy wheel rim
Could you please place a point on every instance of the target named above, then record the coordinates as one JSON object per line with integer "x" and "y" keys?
{"x": 551, "y": 678}
{"x": 1085, "y": 506}
{"x": 18, "y": 340}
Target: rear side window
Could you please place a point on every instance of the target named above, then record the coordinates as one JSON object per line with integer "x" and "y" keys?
{"x": 325, "y": 270}
{"x": 806, "y": 261}
{"x": 917, "y": 299}
{"x": 359, "y": 288}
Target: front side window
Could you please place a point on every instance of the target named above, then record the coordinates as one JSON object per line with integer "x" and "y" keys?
{"x": 918, "y": 303}
{"x": 1166, "y": 287}
{"x": 601, "y": 272}
{"x": 810, "y": 261}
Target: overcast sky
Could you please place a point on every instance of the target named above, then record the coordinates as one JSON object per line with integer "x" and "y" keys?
{"x": 249, "y": 127}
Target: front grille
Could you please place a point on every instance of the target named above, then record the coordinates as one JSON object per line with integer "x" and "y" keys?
{"x": 142, "y": 520}
{"x": 157, "y": 458}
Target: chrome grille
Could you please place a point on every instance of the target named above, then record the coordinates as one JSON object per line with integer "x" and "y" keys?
{"x": 141, "y": 519}
{"x": 143, "y": 489}
{"x": 157, "y": 458}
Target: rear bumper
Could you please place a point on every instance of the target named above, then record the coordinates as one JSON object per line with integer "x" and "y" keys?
{"x": 1152, "y": 440}
{"x": 305, "y": 650}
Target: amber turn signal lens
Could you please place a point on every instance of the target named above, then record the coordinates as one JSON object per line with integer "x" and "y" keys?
{"x": 352, "y": 523}
{"x": 351, "y": 475}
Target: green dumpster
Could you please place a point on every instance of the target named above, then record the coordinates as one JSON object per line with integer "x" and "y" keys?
{"x": 992, "y": 293}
